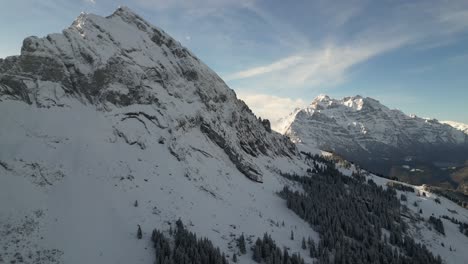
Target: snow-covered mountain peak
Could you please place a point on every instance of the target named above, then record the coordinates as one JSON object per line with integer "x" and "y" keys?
{"x": 355, "y": 103}
{"x": 321, "y": 98}
{"x": 123, "y": 63}
{"x": 125, "y": 11}
{"x": 365, "y": 127}
{"x": 460, "y": 126}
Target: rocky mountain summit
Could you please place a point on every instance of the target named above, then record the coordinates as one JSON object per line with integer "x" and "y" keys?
{"x": 115, "y": 62}
{"x": 113, "y": 113}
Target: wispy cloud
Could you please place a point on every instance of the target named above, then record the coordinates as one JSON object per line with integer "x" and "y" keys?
{"x": 284, "y": 33}
{"x": 193, "y": 5}
{"x": 275, "y": 66}
{"x": 417, "y": 24}
{"x": 455, "y": 20}
{"x": 325, "y": 65}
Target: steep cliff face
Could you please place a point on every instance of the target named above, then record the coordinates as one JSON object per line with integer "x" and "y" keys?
{"x": 121, "y": 61}
{"x": 364, "y": 130}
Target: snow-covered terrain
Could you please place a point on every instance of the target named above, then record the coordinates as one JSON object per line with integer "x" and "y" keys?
{"x": 454, "y": 242}
{"x": 460, "y": 126}
{"x": 69, "y": 183}
{"x": 365, "y": 131}
{"x": 359, "y": 122}
{"x": 114, "y": 111}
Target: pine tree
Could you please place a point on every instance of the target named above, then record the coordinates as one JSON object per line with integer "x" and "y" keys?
{"x": 403, "y": 198}
{"x": 241, "y": 244}
{"x": 304, "y": 243}
{"x": 136, "y": 203}
{"x": 139, "y": 233}
{"x": 292, "y": 235}
{"x": 257, "y": 251}
{"x": 234, "y": 258}
{"x": 313, "y": 252}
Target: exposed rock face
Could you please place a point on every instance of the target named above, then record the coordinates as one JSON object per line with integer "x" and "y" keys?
{"x": 121, "y": 61}
{"x": 365, "y": 131}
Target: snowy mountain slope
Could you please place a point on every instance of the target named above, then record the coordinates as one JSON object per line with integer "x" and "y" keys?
{"x": 121, "y": 60}
{"x": 457, "y": 125}
{"x": 68, "y": 185}
{"x": 365, "y": 131}
{"x": 115, "y": 111}
{"x": 454, "y": 242}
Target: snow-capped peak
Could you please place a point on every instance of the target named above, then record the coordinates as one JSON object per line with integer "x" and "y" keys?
{"x": 460, "y": 126}
{"x": 125, "y": 11}
{"x": 122, "y": 61}
{"x": 359, "y": 124}
{"x": 321, "y": 98}
{"x": 355, "y": 103}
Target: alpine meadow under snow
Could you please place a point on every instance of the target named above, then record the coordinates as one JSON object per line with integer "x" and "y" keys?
{"x": 112, "y": 126}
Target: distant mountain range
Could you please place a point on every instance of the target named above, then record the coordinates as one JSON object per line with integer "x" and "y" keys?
{"x": 380, "y": 139}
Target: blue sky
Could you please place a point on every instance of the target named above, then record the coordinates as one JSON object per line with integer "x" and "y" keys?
{"x": 277, "y": 55}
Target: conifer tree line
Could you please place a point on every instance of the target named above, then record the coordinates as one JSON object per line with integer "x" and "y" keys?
{"x": 266, "y": 251}
{"x": 401, "y": 187}
{"x": 437, "y": 223}
{"x": 350, "y": 216}
{"x": 185, "y": 248}
{"x": 456, "y": 197}
{"x": 462, "y": 227}
{"x": 241, "y": 244}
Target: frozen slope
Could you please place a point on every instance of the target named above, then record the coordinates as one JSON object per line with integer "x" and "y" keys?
{"x": 454, "y": 242}
{"x": 68, "y": 185}
{"x": 114, "y": 110}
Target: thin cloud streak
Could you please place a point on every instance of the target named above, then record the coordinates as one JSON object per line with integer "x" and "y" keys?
{"x": 330, "y": 63}
{"x": 326, "y": 65}
{"x": 193, "y": 5}
{"x": 276, "y": 66}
